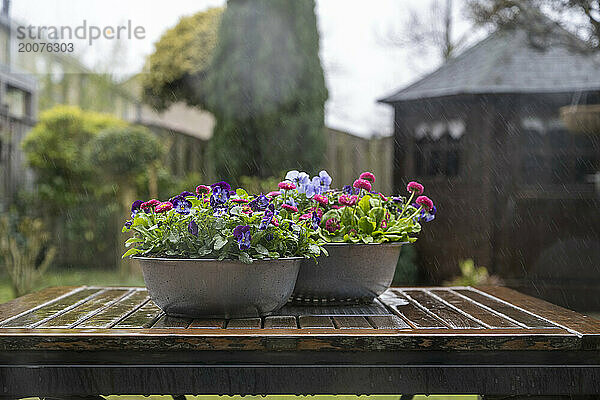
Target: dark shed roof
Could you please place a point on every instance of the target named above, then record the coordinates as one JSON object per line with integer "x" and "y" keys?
{"x": 507, "y": 62}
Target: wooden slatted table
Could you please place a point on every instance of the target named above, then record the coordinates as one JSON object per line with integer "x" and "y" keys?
{"x": 66, "y": 341}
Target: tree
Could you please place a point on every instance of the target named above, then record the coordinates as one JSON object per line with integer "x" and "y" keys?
{"x": 432, "y": 31}
{"x": 266, "y": 88}
{"x": 177, "y": 68}
{"x": 580, "y": 17}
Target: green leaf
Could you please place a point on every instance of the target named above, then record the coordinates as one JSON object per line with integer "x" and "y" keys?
{"x": 242, "y": 193}
{"x": 366, "y": 226}
{"x": 220, "y": 241}
{"x": 245, "y": 258}
{"x": 377, "y": 214}
{"x": 365, "y": 204}
{"x": 260, "y": 249}
{"x": 131, "y": 252}
{"x": 133, "y": 240}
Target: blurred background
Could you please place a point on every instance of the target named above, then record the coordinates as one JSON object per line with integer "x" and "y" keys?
{"x": 494, "y": 105}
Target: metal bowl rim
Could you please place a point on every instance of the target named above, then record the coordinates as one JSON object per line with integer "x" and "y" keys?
{"x": 365, "y": 244}
{"x": 214, "y": 259}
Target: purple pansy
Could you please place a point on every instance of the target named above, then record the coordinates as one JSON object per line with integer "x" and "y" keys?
{"x": 267, "y": 217}
{"x": 242, "y": 235}
{"x": 260, "y": 203}
{"x": 193, "y": 227}
{"x": 181, "y": 205}
{"x": 136, "y": 207}
{"x": 315, "y": 220}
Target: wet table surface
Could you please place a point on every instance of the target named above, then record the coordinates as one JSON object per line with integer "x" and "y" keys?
{"x": 461, "y": 326}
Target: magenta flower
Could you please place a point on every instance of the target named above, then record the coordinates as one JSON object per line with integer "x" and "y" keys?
{"x": 163, "y": 207}
{"x": 348, "y": 200}
{"x": 362, "y": 184}
{"x": 367, "y": 176}
{"x": 202, "y": 189}
{"x": 321, "y": 199}
{"x": 238, "y": 200}
{"x": 383, "y": 197}
{"x": 415, "y": 187}
{"x": 150, "y": 204}
{"x": 285, "y": 185}
{"x": 289, "y": 207}
{"x": 273, "y": 193}
{"x": 332, "y": 225}
{"x": 425, "y": 202}
{"x": 304, "y": 217}
{"x": 383, "y": 224}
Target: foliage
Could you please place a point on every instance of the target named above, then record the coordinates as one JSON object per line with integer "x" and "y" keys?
{"x": 177, "y": 68}
{"x": 266, "y": 88}
{"x": 54, "y": 149}
{"x": 218, "y": 225}
{"x": 355, "y": 214}
{"x": 472, "y": 275}
{"x": 124, "y": 152}
{"x": 581, "y": 17}
{"x": 25, "y": 251}
{"x": 406, "y": 268}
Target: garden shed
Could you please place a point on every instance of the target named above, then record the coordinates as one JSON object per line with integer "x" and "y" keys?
{"x": 515, "y": 190}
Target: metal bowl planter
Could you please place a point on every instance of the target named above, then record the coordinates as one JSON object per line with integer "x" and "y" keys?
{"x": 201, "y": 288}
{"x": 351, "y": 274}
{"x": 584, "y": 119}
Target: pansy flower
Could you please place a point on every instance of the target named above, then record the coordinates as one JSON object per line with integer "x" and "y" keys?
{"x": 300, "y": 179}
{"x": 181, "y": 205}
{"x": 136, "y": 207}
{"x": 242, "y": 234}
{"x": 315, "y": 220}
{"x": 193, "y": 227}
{"x": 260, "y": 203}
{"x": 267, "y": 217}
{"x": 321, "y": 182}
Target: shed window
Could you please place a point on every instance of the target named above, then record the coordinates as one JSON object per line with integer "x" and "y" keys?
{"x": 437, "y": 157}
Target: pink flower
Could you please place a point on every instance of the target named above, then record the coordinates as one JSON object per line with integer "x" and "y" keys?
{"x": 202, "y": 189}
{"x": 348, "y": 200}
{"x": 319, "y": 211}
{"x": 275, "y": 222}
{"x": 285, "y": 185}
{"x": 273, "y": 194}
{"x": 321, "y": 199}
{"x": 362, "y": 184}
{"x": 415, "y": 187}
{"x": 382, "y": 197}
{"x": 163, "y": 207}
{"x": 150, "y": 204}
{"x": 332, "y": 225}
{"x": 425, "y": 202}
{"x": 304, "y": 216}
{"x": 337, "y": 207}
{"x": 368, "y": 176}
{"x": 383, "y": 224}
{"x": 240, "y": 200}
{"x": 289, "y": 207}
{"x": 206, "y": 200}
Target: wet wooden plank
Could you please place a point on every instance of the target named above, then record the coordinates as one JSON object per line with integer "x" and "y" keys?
{"x": 167, "y": 321}
{"x": 352, "y": 322}
{"x": 32, "y": 300}
{"x": 450, "y": 316}
{"x": 570, "y": 320}
{"x": 506, "y": 309}
{"x": 244, "y": 323}
{"x": 488, "y": 318}
{"x": 315, "y": 322}
{"x": 85, "y": 310}
{"x": 212, "y": 323}
{"x": 413, "y": 314}
{"x": 117, "y": 311}
{"x": 388, "y": 322}
{"x": 38, "y": 315}
{"x": 143, "y": 317}
{"x": 281, "y": 322}
{"x": 375, "y": 308}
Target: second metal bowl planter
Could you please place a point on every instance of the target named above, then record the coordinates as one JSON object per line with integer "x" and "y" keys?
{"x": 352, "y": 273}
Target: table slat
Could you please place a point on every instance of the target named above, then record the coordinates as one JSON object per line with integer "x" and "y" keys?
{"x": 117, "y": 311}
{"x": 315, "y": 322}
{"x": 31, "y": 300}
{"x": 387, "y": 322}
{"x": 525, "y": 318}
{"x": 415, "y": 316}
{"x": 281, "y": 322}
{"x": 451, "y": 317}
{"x": 166, "y": 321}
{"x": 84, "y": 310}
{"x": 352, "y": 322}
{"x": 40, "y": 314}
{"x": 244, "y": 323}
{"x": 487, "y": 317}
{"x": 209, "y": 323}
{"x": 143, "y": 317}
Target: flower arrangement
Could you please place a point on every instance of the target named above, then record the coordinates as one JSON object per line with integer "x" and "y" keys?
{"x": 219, "y": 223}
{"x": 356, "y": 213}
